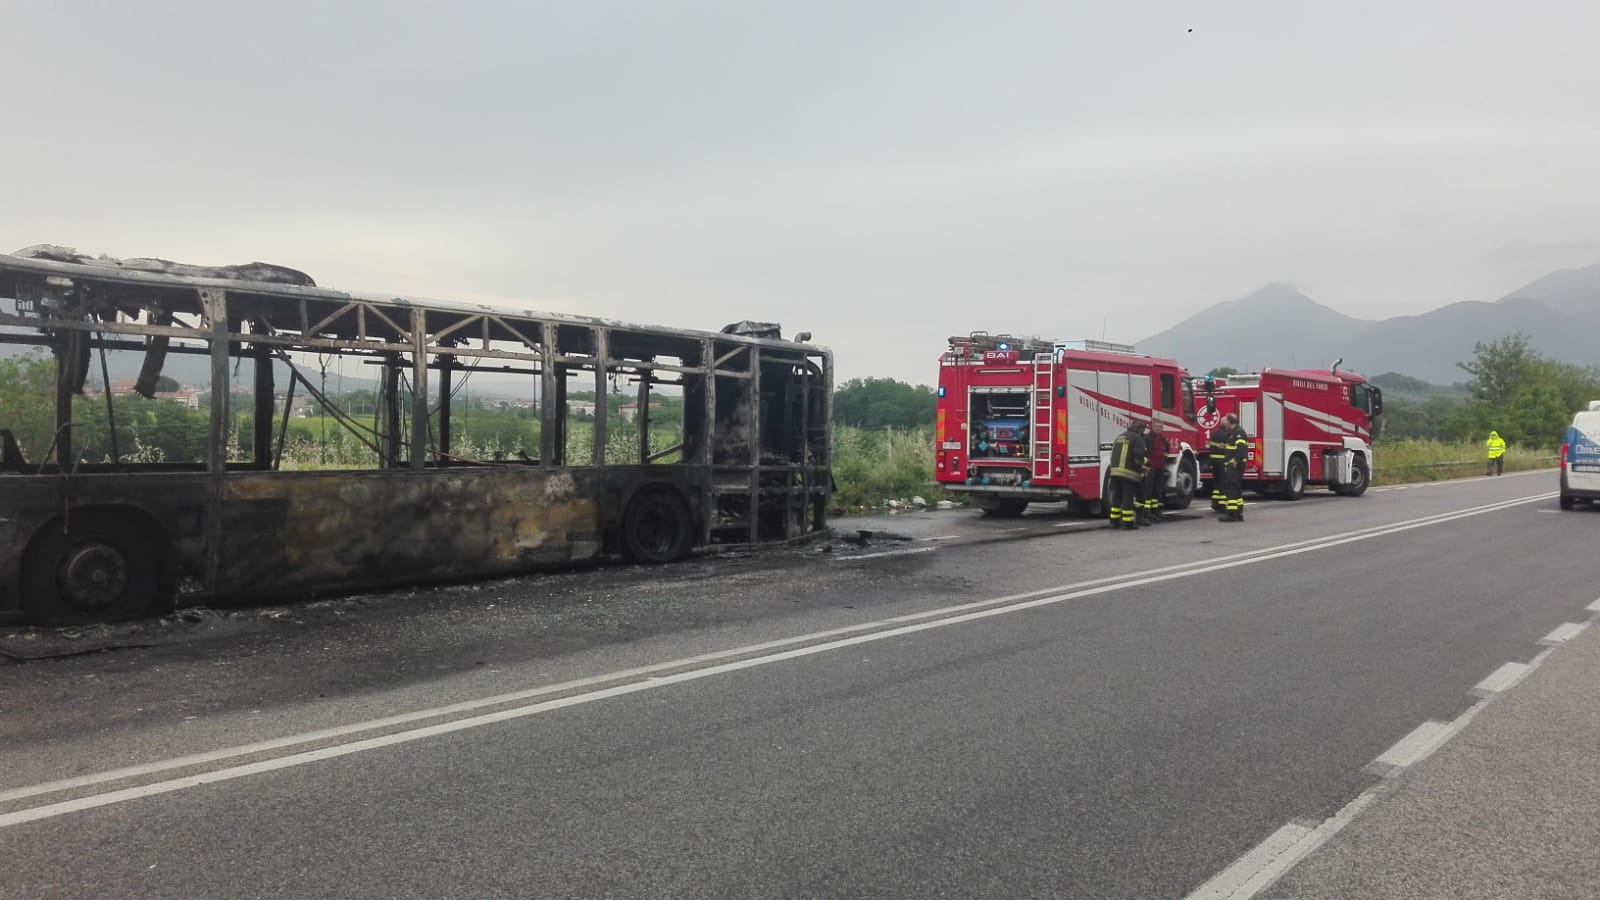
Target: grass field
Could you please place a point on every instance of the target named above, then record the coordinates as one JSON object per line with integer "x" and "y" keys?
{"x": 873, "y": 466}
{"x": 1399, "y": 462}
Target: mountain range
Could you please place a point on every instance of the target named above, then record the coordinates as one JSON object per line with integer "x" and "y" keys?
{"x": 1280, "y": 326}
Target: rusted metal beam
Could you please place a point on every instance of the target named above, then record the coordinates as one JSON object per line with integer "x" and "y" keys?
{"x": 215, "y": 304}
{"x": 550, "y": 413}
{"x": 419, "y": 387}
{"x": 266, "y": 405}
{"x": 602, "y": 405}
{"x": 753, "y": 399}
{"x": 445, "y": 367}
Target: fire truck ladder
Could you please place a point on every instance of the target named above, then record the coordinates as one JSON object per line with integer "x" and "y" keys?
{"x": 1044, "y": 392}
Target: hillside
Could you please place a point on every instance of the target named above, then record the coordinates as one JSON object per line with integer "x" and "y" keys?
{"x": 1276, "y": 325}
{"x": 1280, "y": 326}
{"x": 1575, "y": 292}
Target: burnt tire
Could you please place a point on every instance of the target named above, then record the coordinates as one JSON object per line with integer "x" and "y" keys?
{"x": 103, "y": 566}
{"x": 657, "y": 527}
{"x": 1294, "y": 479}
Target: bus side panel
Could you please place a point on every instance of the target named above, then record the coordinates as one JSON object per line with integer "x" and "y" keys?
{"x": 365, "y": 529}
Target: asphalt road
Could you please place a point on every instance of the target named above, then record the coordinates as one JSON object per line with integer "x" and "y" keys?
{"x": 985, "y": 709}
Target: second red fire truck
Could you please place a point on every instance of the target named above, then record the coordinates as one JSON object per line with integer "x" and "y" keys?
{"x": 1306, "y": 427}
{"x": 1020, "y": 420}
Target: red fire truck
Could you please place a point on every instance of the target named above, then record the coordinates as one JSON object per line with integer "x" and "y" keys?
{"x": 1306, "y": 427}
{"x": 1022, "y": 420}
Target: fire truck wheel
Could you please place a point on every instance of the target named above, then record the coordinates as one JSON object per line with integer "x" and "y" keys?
{"x": 102, "y": 566}
{"x": 1002, "y": 508}
{"x": 1360, "y": 475}
{"x": 656, "y": 527}
{"x": 1294, "y": 480}
{"x": 1188, "y": 484}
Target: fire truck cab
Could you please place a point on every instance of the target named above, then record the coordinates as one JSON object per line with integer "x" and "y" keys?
{"x": 1022, "y": 420}
{"x": 1306, "y": 427}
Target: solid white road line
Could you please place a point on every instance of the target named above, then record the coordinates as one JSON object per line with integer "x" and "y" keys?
{"x": 1563, "y": 633}
{"x": 642, "y": 671}
{"x": 980, "y": 610}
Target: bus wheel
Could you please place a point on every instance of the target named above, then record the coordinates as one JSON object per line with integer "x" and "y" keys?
{"x": 102, "y": 567}
{"x": 656, "y": 527}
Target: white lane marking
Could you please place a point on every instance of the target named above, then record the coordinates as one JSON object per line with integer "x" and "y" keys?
{"x": 1415, "y": 746}
{"x": 530, "y": 693}
{"x": 1009, "y": 530}
{"x": 1563, "y": 633}
{"x": 1274, "y": 865}
{"x": 1501, "y": 679}
{"x": 1228, "y": 882}
{"x": 1593, "y": 607}
{"x": 881, "y": 554}
{"x": 975, "y": 611}
{"x": 1271, "y": 863}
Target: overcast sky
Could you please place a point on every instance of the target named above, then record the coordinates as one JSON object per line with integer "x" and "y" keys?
{"x": 881, "y": 174}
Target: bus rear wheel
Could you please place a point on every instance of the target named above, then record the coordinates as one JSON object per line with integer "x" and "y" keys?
{"x": 656, "y": 528}
{"x": 101, "y": 567}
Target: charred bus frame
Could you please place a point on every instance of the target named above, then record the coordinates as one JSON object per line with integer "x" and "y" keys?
{"x": 86, "y": 541}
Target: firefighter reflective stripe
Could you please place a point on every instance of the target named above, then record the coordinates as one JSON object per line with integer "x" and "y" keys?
{"x": 1121, "y": 464}
{"x": 1216, "y": 447}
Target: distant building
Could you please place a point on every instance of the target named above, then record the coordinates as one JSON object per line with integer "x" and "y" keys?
{"x": 185, "y": 396}
{"x": 630, "y": 411}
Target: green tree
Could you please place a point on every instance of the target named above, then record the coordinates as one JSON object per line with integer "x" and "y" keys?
{"x": 883, "y": 403}
{"x": 1223, "y": 372}
{"x": 1522, "y": 395}
{"x": 27, "y": 401}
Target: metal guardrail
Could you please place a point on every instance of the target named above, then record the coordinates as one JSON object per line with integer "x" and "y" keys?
{"x": 1480, "y": 463}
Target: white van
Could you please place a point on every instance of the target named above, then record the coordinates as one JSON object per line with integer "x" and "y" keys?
{"x": 1580, "y": 458}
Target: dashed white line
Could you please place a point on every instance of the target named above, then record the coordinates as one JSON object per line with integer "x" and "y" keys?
{"x": 1500, "y": 679}
{"x": 1230, "y": 880}
{"x": 1422, "y": 740}
{"x": 1268, "y": 861}
{"x": 1563, "y": 633}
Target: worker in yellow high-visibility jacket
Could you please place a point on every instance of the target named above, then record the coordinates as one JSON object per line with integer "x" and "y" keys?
{"x": 1497, "y": 454}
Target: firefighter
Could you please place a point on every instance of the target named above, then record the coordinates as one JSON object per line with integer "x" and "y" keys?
{"x": 1127, "y": 467}
{"x": 1150, "y": 488}
{"x": 1217, "y": 454}
{"x": 1236, "y": 447}
{"x": 1497, "y": 454}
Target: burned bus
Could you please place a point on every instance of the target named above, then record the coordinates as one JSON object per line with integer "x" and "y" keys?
{"x": 724, "y": 438}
